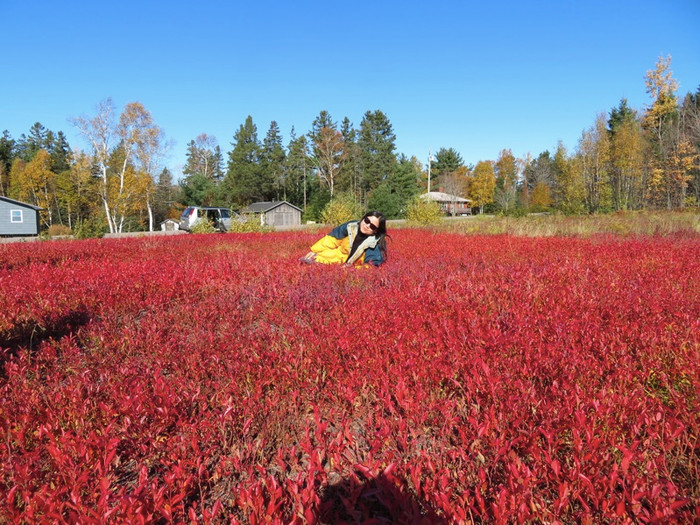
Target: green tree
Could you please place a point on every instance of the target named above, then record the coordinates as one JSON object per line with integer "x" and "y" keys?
{"x": 298, "y": 170}
{"x": 203, "y": 158}
{"x": 199, "y": 190}
{"x": 446, "y": 162}
{"x": 203, "y": 172}
{"x": 393, "y": 195}
{"x": 272, "y": 165}
{"x": 350, "y": 175}
{"x": 690, "y": 129}
{"x": 569, "y": 187}
{"x": 29, "y": 146}
{"x": 7, "y": 154}
{"x": 165, "y": 197}
{"x": 506, "y": 169}
{"x": 243, "y": 177}
{"x": 377, "y": 143}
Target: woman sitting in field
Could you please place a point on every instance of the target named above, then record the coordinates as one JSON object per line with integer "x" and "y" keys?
{"x": 355, "y": 242}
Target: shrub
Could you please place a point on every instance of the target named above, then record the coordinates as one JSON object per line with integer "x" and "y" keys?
{"x": 56, "y": 230}
{"x": 423, "y": 212}
{"x": 203, "y": 226}
{"x": 93, "y": 227}
{"x": 342, "y": 208}
{"x": 249, "y": 226}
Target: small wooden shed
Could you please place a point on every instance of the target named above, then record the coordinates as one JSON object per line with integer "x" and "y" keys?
{"x": 275, "y": 213}
{"x": 18, "y": 218}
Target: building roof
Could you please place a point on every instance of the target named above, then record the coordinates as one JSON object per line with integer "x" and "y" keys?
{"x": 264, "y": 207}
{"x": 20, "y": 203}
{"x": 443, "y": 197}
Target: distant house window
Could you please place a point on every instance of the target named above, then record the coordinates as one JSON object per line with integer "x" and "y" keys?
{"x": 16, "y": 216}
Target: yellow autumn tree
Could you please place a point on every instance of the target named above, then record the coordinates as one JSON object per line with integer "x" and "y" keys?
{"x": 594, "y": 154}
{"x": 139, "y": 144}
{"x": 35, "y": 184}
{"x": 629, "y": 161}
{"x": 660, "y": 122}
{"x": 482, "y": 185}
{"x": 76, "y": 190}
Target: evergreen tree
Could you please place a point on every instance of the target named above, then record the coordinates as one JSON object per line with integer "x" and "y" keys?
{"x": 243, "y": 176}
{"x": 690, "y": 118}
{"x": 7, "y": 154}
{"x": 619, "y": 115}
{"x": 60, "y": 152}
{"x": 272, "y": 163}
{"x": 29, "y": 146}
{"x": 393, "y": 195}
{"x": 297, "y": 169}
{"x": 165, "y": 197}
{"x": 446, "y": 161}
{"x": 350, "y": 175}
{"x": 377, "y": 143}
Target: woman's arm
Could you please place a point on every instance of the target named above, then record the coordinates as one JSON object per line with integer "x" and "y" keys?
{"x": 374, "y": 256}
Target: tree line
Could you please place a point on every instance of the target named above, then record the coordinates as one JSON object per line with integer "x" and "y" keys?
{"x": 627, "y": 160}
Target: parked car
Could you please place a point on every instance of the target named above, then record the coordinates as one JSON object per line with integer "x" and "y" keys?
{"x": 219, "y": 218}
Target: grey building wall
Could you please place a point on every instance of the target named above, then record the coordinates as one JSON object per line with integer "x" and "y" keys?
{"x": 283, "y": 215}
{"x": 18, "y": 218}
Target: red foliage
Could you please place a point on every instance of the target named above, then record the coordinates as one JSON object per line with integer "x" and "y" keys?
{"x": 210, "y": 378}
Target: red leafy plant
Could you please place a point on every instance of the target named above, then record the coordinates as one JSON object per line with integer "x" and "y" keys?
{"x": 470, "y": 379}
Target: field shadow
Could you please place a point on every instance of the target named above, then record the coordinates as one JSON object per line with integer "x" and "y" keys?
{"x": 376, "y": 500}
{"x": 31, "y": 334}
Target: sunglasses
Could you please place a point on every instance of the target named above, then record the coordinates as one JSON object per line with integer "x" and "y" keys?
{"x": 372, "y": 227}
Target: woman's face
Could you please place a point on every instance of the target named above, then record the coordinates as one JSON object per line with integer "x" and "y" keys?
{"x": 369, "y": 225}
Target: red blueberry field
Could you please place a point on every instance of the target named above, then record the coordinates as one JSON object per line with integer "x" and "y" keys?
{"x": 471, "y": 379}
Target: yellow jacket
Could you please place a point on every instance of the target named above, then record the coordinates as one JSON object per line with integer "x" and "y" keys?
{"x": 334, "y": 248}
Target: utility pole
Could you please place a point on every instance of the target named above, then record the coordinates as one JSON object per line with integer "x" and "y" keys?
{"x": 430, "y": 159}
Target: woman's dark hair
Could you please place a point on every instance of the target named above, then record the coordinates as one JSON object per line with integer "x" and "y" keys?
{"x": 381, "y": 230}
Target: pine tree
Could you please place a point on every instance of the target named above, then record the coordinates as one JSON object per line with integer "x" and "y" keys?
{"x": 297, "y": 169}
{"x": 377, "y": 143}
{"x": 272, "y": 162}
{"x": 446, "y": 161}
{"x": 7, "y": 154}
{"x": 243, "y": 176}
{"x": 350, "y": 174}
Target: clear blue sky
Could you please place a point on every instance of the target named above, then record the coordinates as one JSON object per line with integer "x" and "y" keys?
{"x": 475, "y": 76}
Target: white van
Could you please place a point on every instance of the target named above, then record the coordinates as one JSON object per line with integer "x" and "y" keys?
{"x": 219, "y": 218}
